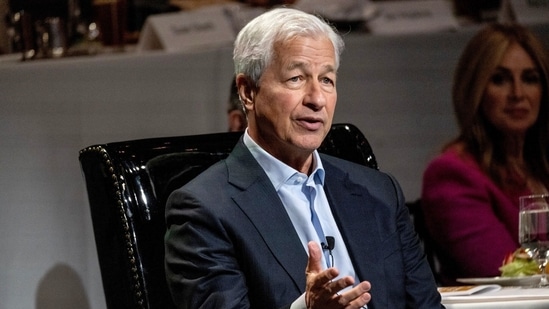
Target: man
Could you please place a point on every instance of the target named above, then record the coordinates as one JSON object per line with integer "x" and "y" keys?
{"x": 276, "y": 224}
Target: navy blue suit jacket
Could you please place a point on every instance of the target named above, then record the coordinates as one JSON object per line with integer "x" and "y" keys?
{"x": 231, "y": 244}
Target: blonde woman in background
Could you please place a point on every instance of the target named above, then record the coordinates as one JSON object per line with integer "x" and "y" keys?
{"x": 470, "y": 191}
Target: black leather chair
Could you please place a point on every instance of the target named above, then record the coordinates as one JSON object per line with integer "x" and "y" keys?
{"x": 128, "y": 183}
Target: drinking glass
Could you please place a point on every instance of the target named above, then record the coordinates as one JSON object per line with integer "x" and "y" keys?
{"x": 534, "y": 230}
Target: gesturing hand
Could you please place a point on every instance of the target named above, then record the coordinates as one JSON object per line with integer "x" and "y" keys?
{"x": 322, "y": 291}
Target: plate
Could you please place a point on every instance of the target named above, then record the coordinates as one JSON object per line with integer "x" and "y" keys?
{"x": 504, "y": 281}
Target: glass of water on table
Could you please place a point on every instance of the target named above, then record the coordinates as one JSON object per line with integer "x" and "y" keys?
{"x": 534, "y": 230}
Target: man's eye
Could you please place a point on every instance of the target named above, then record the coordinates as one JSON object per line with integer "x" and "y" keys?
{"x": 327, "y": 80}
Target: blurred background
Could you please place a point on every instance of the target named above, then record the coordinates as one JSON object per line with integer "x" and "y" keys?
{"x": 56, "y": 28}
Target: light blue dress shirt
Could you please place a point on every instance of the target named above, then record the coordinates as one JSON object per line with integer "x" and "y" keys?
{"x": 292, "y": 187}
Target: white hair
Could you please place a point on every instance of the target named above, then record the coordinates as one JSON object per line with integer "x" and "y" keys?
{"x": 254, "y": 45}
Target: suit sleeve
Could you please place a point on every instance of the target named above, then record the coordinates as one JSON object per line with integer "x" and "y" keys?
{"x": 421, "y": 291}
{"x": 201, "y": 268}
{"x": 205, "y": 264}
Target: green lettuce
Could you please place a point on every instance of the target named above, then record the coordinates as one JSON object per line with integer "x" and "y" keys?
{"x": 519, "y": 267}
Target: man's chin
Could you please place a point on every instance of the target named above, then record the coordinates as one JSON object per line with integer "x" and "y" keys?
{"x": 311, "y": 143}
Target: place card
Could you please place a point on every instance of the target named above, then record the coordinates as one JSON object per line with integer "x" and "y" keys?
{"x": 467, "y": 290}
{"x": 413, "y": 16}
{"x": 199, "y": 29}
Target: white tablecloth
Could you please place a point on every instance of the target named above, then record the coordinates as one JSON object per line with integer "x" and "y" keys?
{"x": 507, "y": 297}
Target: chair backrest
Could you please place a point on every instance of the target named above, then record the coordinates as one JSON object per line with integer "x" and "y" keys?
{"x": 128, "y": 184}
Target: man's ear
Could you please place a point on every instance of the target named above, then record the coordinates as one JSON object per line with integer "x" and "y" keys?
{"x": 246, "y": 90}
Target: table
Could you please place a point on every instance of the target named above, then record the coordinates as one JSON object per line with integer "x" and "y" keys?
{"x": 507, "y": 297}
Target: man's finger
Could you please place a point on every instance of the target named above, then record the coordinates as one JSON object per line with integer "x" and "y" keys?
{"x": 314, "y": 264}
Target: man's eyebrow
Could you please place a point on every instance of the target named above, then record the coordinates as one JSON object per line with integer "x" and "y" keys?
{"x": 328, "y": 68}
{"x": 298, "y": 64}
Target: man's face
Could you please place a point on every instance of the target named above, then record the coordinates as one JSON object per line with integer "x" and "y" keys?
{"x": 293, "y": 107}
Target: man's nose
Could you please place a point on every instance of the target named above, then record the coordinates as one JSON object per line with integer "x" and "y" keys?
{"x": 315, "y": 96}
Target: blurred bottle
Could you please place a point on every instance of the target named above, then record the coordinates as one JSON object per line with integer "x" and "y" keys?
{"x": 110, "y": 17}
{"x": 22, "y": 34}
{"x": 38, "y": 27}
{"x": 51, "y": 35}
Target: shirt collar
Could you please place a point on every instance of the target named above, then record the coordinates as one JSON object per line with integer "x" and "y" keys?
{"x": 278, "y": 171}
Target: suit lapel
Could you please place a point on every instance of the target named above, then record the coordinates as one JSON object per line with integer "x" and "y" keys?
{"x": 354, "y": 210}
{"x": 259, "y": 200}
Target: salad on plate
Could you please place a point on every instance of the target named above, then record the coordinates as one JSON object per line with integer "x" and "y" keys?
{"x": 519, "y": 264}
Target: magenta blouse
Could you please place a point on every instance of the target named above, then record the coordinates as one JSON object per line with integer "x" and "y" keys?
{"x": 473, "y": 222}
